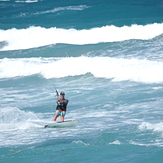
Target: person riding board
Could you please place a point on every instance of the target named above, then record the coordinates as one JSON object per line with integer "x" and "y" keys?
{"x": 61, "y": 107}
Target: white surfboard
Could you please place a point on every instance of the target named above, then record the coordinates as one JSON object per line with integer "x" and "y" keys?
{"x": 64, "y": 124}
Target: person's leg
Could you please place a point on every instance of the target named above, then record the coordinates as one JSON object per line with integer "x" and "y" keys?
{"x": 55, "y": 117}
{"x": 62, "y": 118}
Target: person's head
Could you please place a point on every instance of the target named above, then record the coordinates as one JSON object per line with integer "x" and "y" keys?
{"x": 62, "y": 93}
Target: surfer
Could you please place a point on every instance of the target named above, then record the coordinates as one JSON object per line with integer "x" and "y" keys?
{"x": 61, "y": 106}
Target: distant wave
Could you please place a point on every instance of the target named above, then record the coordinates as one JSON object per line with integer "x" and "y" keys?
{"x": 26, "y": 1}
{"x": 116, "y": 69}
{"x": 80, "y": 7}
{"x": 38, "y": 36}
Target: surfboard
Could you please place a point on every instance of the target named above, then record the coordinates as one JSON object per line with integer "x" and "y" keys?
{"x": 64, "y": 124}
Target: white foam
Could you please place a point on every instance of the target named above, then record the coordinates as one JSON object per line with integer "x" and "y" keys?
{"x": 116, "y": 142}
{"x": 38, "y": 36}
{"x": 156, "y": 143}
{"x": 13, "y": 120}
{"x": 117, "y": 69}
{"x": 156, "y": 127}
{"x": 80, "y": 142}
{"x": 13, "y": 115}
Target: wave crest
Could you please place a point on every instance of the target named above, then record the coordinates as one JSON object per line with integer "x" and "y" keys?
{"x": 117, "y": 69}
{"x": 38, "y": 36}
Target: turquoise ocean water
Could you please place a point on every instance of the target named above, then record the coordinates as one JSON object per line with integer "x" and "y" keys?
{"x": 106, "y": 55}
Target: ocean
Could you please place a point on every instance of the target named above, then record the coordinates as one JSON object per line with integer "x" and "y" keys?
{"x": 106, "y": 55}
